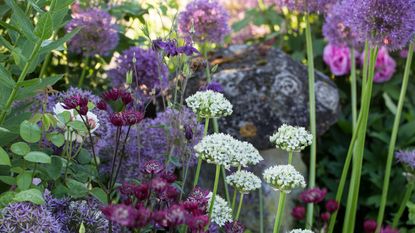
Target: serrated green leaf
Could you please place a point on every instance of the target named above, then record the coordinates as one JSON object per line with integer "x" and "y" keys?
{"x": 24, "y": 180}
{"x": 30, "y": 132}
{"x": 32, "y": 195}
{"x": 37, "y": 157}
{"x": 20, "y": 148}
{"x": 4, "y": 157}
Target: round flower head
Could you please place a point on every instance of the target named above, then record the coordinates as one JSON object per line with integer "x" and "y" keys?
{"x": 98, "y": 35}
{"x": 148, "y": 70}
{"x": 204, "y": 21}
{"x": 244, "y": 181}
{"x": 317, "y": 6}
{"x": 209, "y": 104}
{"x": 221, "y": 212}
{"x": 291, "y": 139}
{"x": 407, "y": 158}
{"x": 284, "y": 178}
{"x": 246, "y": 155}
{"x": 301, "y": 231}
{"x": 389, "y": 23}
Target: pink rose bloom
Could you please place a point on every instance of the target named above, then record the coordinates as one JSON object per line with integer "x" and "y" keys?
{"x": 338, "y": 59}
{"x": 385, "y": 66}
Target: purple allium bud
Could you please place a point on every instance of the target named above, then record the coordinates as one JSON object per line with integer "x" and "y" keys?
{"x": 314, "y": 195}
{"x": 142, "y": 192}
{"x": 111, "y": 95}
{"x": 213, "y": 86}
{"x": 407, "y": 158}
{"x": 298, "y": 212}
{"x": 234, "y": 227}
{"x": 176, "y": 215}
{"x": 325, "y": 216}
{"x": 338, "y": 59}
{"x": 332, "y": 206}
{"x": 117, "y": 119}
{"x": 369, "y": 226}
{"x": 98, "y": 35}
{"x": 122, "y": 214}
{"x": 389, "y": 23}
{"x": 101, "y": 105}
{"x": 153, "y": 167}
{"x": 198, "y": 223}
{"x": 389, "y": 229}
{"x": 132, "y": 117}
{"x": 204, "y": 21}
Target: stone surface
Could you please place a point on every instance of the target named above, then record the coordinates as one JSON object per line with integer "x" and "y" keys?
{"x": 267, "y": 88}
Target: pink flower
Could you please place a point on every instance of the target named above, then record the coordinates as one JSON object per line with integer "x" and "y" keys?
{"x": 338, "y": 59}
{"x": 389, "y": 229}
{"x": 325, "y": 216}
{"x": 385, "y": 66}
{"x": 298, "y": 212}
{"x": 332, "y": 205}
{"x": 314, "y": 195}
{"x": 369, "y": 226}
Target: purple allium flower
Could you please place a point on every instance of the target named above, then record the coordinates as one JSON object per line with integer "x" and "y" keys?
{"x": 234, "y": 227}
{"x": 28, "y": 217}
{"x": 338, "y": 59}
{"x": 204, "y": 21}
{"x": 318, "y": 6}
{"x": 298, "y": 212}
{"x": 389, "y": 23}
{"x": 332, "y": 205}
{"x": 98, "y": 35}
{"x": 385, "y": 66}
{"x": 213, "y": 86}
{"x": 148, "y": 70}
{"x": 171, "y": 48}
{"x": 314, "y": 195}
{"x": 407, "y": 158}
{"x": 369, "y": 226}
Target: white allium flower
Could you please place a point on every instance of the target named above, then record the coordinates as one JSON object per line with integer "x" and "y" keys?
{"x": 291, "y": 139}
{"x": 301, "y": 231}
{"x": 209, "y": 104}
{"x": 244, "y": 181}
{"x": 221, "y": 212}
{"x": 223, "y": 149}
{"x": 284, "y": 178}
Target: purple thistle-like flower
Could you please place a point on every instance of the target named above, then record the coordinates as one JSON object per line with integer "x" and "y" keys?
{"x": 148, "y": 70}
{"x": 407, "y": 158}
{"x": 389, "y": 23}
{"x": 204, "y": 21}
{"x": 213, "y": 86}
{"x": 234, "y": 227}
{"x": 317, "y": 6}
{"x": 98, "y": 35}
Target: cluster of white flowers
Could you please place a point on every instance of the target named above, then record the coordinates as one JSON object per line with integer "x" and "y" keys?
{"x": 223, "y": 149}
{"x": 244, "y": 181}
{"x": 301, "y": 231}
{"x": 291, "y": 139}
{"x": 209, "y": 104}
{"x": 221, "y": 212}
{"x": 284, "y": 178}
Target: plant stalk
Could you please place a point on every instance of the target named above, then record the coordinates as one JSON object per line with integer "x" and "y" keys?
{"x": 280, "y": 212}
{"x": 241, "y": 200}
{"x": 409, "y": 189}
{"x": 199, "y": 161}
{"x": 215, "y": 190}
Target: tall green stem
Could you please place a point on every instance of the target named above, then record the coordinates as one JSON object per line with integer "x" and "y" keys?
{"x": 407, "y": 196}
{"x": 353, "y": 87}
{"x": 394, "y": 136}
{"x": 290, "y": 157}
{"x": 21, "y": 78}
{"x": 215, "y": 190}
{"x": 351, "y": 207}
{"x": 241, "y": 200}
{"x": 199, "y": 162}
{"x": 312, "y": 100}
{"x": 261, "y": 211}
{"x": 280, "y": 212}
{"x": 234, "y": 194}
{"x": 84, "y": 70}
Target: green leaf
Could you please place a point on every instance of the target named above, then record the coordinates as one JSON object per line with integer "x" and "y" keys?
{"x": 4, "y": 157}
{"x": 78, "y": 126}
{"x": 389, "y": 103}
{"x": 8, "y": 180}
{"x": 59, "y": 42}
{"x": 82, "y": 228}
{"x": 6, "y": 78}
{"x": 84, "y": 157}
{"x": 56, "y": 138}
{"x": 54, "y": 169}
{"x": 30, "y": 132}
{"x": 22, "y": 20}
{"x": 6, "y": 198}
{"x": 32, "y": 195}
{"x": 37, "y": 157}
{"x": 44, "y": 27}
{"x": 20, "y": 148}
{"x": 61, "y": 4}
{"x": 33, "y": 86}
{"x": 76, "y": 188}
{"x": 100, "y": 195}
{"x": 24, "y": 180}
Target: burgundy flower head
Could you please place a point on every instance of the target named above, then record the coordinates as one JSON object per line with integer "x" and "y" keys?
{"x": 142, "y": 192}
{"x": 111, "y": 95}
{"x": 234, "y": 227}
{"x": 325, "y": 216}
{"x": 298, "y": 212}
{"x": 197, "y": 223}
{"x": 314, "y": 195}
{"x": 389, "y": 229}
{"x": 126, "y": 97}
{"x": 160, "y": 218}
{"x": 117, "y": 119}
{"x": 122, "y": 214}
{"x": 176, "y": 215}
{"x": 153, "y": 167}
{"x": 159, "y": 184}
{"x": 131, "y": 117}
{"x": 169, "y": 177}
{"x": 332, "y": 206}
{"x": 369, "y": 226}
{"x": 127, "y": 189}
{"x": 101, "y": 105}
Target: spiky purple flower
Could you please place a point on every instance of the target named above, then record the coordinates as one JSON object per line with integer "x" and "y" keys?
{"x": 147, "y": 68}
{"x": 407, "y": 158}
{"x": 317, "y": 6}
{"x": 204, "y": 21}
{"x": 98, "y": 35}
{"x": 389, "y": 23}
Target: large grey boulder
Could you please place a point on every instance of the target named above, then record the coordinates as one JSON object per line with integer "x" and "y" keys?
{"x": 267, "y": 88}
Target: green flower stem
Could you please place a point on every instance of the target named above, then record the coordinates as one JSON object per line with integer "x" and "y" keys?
{"x": 21, "y": 78}
{"x": 365, "y": 66}
{"x": 261, "y": 211}
{"x": 199, "y": 162}
{"x": 394, "y": 136}
{"x": 408, "y": 194}
{"x": 234, "y": 194}
{"x": 353, "y": 196}
{"x": 83, "y": 74}
{"x": 215, "y": 190}
{"x": 241, "y": 200}
{"x": 290, "y": 157}
{"x": 280, "y": 212}
{"x": 353, "y": 87}
{"x": 312, "y": 100}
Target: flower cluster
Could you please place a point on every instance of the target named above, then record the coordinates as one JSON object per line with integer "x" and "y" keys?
{"x": 221, "y": 212}
{"x": 234, "y": 227}
{"x": 225, "y": 150}
{"x": 407, "y": 158}
{"x": 98, "y": 35}
{"x": 149, "y": 72}
{"x": 370, "y": 226}
{"x": 284, "y": 178}
{"x": 172, "y": 49}
{"x": 204, "y": 21}
{"x": 382, "y": 22}
{"x": 337, "y": 57}
{"x": 209, "y": 104}
{"x": 385, "y": 66}
{"x": 301, "y": 231}
{"x": 291, "y": 139}
{"x": 314, "y": 195}
{"x": 244, "y": 181}
{"x": 318, "y": 6}
{"x": 213, "y": 86}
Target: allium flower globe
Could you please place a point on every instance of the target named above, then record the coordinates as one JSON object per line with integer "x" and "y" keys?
{"x": 284, "y": 178}
{"x": 221, "y": 212}
{"x": 244, "y": 181}
{"x": 407, "y": 158}
{"x": 301, "y": 231}
{"x": 338, "y": 59}
{"x": 291, "y": 139}
{"x": 335, "y": 29}
{"x": 318, "y": 6}
{"x": 209, "y": 104}
{"x": 98, "y": 35}
{"x": 204, "y": 21}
